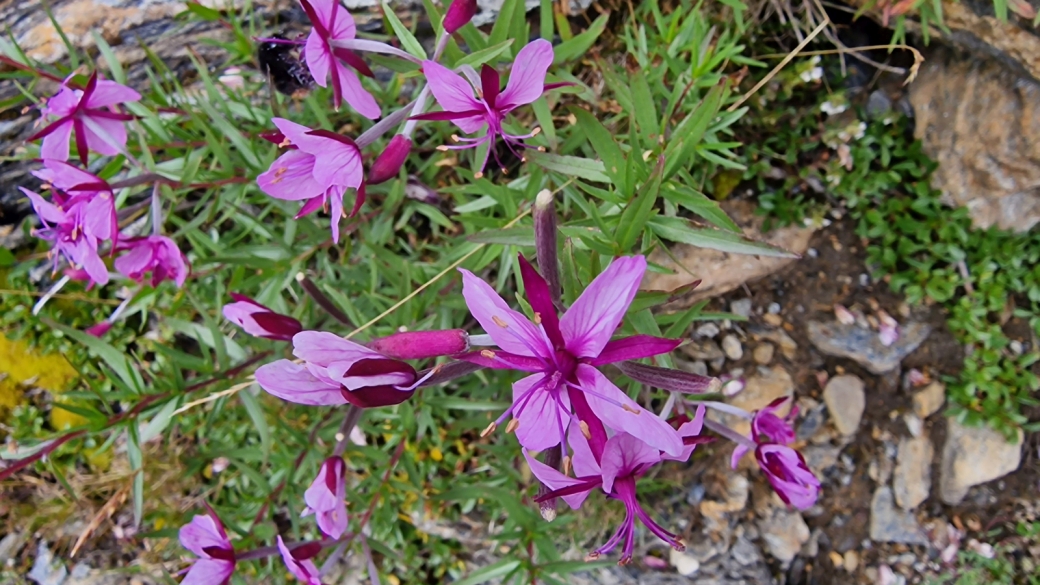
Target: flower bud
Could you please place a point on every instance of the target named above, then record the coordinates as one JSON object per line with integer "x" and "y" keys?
{"x": 416, "y": 345}
{"x": 259, "y": 321}
{"x": 459, "y": 14}
{"x": 389, "y": 162}
{"x": 544, "y": 214}
{"x": 98, "y": 330}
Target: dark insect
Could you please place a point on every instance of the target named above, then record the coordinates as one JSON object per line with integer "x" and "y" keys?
{"x": 281, "y": 64}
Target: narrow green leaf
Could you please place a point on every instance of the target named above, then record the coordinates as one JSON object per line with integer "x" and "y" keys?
{"x": 110, "y": 57}
{"x": 638, "y": 211}
{"x": 110, "y": 355}
{"x": 490, "y": 572}
{"x": 503, "y": 23}
{"x": 545, "y": 19}
{"x": 678, "y": 230}
{"x": 580, "y": 44}
{"x": 133, "y": 452}
{"x": 645, "y": 111}
{"x": 603, "y": 143}
{"x": 689, "y": 133}
{"x": 488, "y": 55}
{"x": 408, "y": 40}
{"x": 700, "y": 204}
{"x": 571, "y": 166}
{"x": 203, "y": 12}
{"x": 516, "y": 236}
{"x": 159, "y": 422}
{"x": 259, "y": 421}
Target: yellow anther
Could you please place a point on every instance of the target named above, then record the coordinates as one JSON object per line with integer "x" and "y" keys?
{"x": 490, "y": 429}
{"x": 566, "y": 464}
{"x": 488, "y": 354}
{"x": 537, "y": 318}
{"x": 498, "y": 321}
{"x": 443, "y": 148}
{"x": 629, "y": 409}
{"x": 584, "y": 426}
{"x": 478, "y": 175}
{"x": 513, "y": 425}
{"x": 285, "y": 142}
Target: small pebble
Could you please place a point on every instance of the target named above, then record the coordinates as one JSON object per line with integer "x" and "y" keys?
{"x": 1016, "y": 347}
{"x": 836, "y": 559}
{"x": 812, "y": 253}
{"x": 763, "y": 353}
{"x": 913, "y": 424}
{"x": 773, "y": 319}
{"x": 774, "y": 308}
{"x": 707, "y": 330}
{"x": 741, "y": 307}
{"x": 851, "y": 561}
{"x": 732, "y": 348}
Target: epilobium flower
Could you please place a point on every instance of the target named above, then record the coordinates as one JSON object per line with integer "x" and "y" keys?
{"x": 89, "y": 114}
{"x": 562, "y": 355}
{"x": 331, "y": 22}
{"x": 156, "y": 254}
{"x": 205, "y": 536}
{"x": 299, "y": 561}
{"x": 624, "y": 459}
{"x": 337, "y": 371}
{"x": 75, "y": 230}
{"x": 767, "y": 427}
{"x": 259, "y": 321}
{"x": 470, "y": 114}
{"x": 325, "y": 497}
{"x": 458, "y": 15}
{"x": 389, "y": 162}
{"x": 318, "y": 169}
{"x": 789, "y": 475}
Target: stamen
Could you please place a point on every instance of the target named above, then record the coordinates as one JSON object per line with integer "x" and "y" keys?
{"x": 592, "y": 556}
{"x": 629, "y": 409}
{"x": 567, "y": 465}
{"x": 478, "y": 175}
{"x": 513, "y": 425}
{"x": 498, "y": 321}
{"x": 443, "y": 148}
{"x": 487, "y": 353}
{"x": 537, "y": 130}
{"x": 490, "y": 429}
{"x": 285, "y": 142}
{"x": 584, "y": 426}
{"x": 537, "y": 318}
{"x": 455, "y": 138}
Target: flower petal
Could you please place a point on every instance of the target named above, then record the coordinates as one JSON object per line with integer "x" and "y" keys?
{"x": 354, "y": 94}
{"x": 555, "y": 480}
{"x": 47, "y": 211}
{"x": 290, "y": 177}
{"x": 295, "y": 383}
{"x": 109, "y": 93}
{"x": 633, "y": 348}
{"x": 241, "y": 314}
{"x": 136, "y": 261}
{"x": 646, "y": 425}
{"x": 56, "y": 144}
{"x": 318, "y": 57}
{"x": 624, "y": 455}
{"x": 590, "y": 322}
{"x": 202, "y": 533}
{"x": 512, "y": 331}
{"x": 209, "y": 572}
{"x": 539, "y": 415}
{"x": 338, "y": 164}
{"x": 541, "y": 301}
{"x": 454, "y": 94}
{"x": 105, "y": 136}
{"x": 323, "y": 348}
{"x": 582, "y": 458}
{"x": 527, "y": 80}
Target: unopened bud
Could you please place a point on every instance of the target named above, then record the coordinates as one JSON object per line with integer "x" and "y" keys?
{"x": 459, "y": 14}
{"x": 544, "y": 214}
{"x": 390, "y": 161}
{"x": 99, "y": 329}
{"x": 417, "y": 345}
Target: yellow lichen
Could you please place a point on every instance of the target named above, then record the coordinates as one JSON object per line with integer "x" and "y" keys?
{"x": 22, "y": 367}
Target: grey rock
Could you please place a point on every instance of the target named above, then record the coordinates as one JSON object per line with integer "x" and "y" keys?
{"x": 705, "y": 349}
{"x": 732, "y": 348}
{"x": 863, "y": 345}
{"x": 745, "y": 552}
{"x": 707, "y": 330}
{"x": 741, "y": 307}
{"x": 684, "y": 564}
{"x": 812, "y": 421}
{"x": 845, "y": 401}
{"x": 913, "y": 473}
{"x": 974, "y": 455}
{"x": 929, "y": 400}
{"x": 820, "y": 458}
{"x": 45, "y": 571}
{"x": 784, "y": 534}
{"x": 890, "y": 524}
{"x": 10, "y": 544}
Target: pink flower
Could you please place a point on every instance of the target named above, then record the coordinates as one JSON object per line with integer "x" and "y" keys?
{"x": 319, "y": 169}
{"x": 337, "y": 371}
{"x": 471, "y": 114}
{"x": 298, "y": 561}
{"x": 562, "y": 355}
{"x": 390, "y": 161}
{"x": 624, "y": 459}
{"x": 768, "y": 428}
{"x": 458, "y": 15}
{"x": 205, "y": 536}
{"x": 259, "y": 321}
{"x": 790, "y": 477}
{"x": 90, "y": 114}
{"x": 156, "y": 254}
{"x": 75, "y": 227}
{"x": 331, "y": 22}
{"x": 326, "y": 496}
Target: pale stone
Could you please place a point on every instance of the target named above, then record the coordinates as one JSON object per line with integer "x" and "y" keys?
{"x": 732, "y": 348}
{"x": 929, "y": 400}
{"x": 974, "y": 455}
{"x": 890, "y": 524}
{"x": 845, "y": 401}
{"x": 784, "y": 534}
{"x": 763, "y": 353}
{"x": 684, "y": 564}
{"x": 763, "y": 387}
{"x": 913, "y": 473}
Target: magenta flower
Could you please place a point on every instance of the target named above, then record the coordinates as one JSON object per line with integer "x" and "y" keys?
{"x": 299, "y": 561}
{"x": 417, "y": 345}
{"x": 790, "y": 477}
{"x": 90, "y": 115}
{"x": 337, "y": 371}
{"x": 325, "y": 497}
{"x": 331, "y": 22}
{"x": 319, "y": 167}
{"x": 458, "y": 15}
{"x": 624, "y": 459}
{"x": 75, "y": 230}
{"x": 205, "y": 536}
{"x": 156, "y": 254}
{"x": 768, "y": 428}
{"x": 562, "y": 355}
{"x": 471, "y": 114}
{"x": 390, "y": 161}
{"x": 259, "y": 321}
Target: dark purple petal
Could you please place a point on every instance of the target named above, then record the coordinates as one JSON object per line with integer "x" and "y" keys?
{"x": 313, "y": 204}
{"x": 99, "y": 329}
{"x": 545, "y": 246}
{"x": 88, "y": 90}
{"x": 80, "y": 134}
{"x": 634, "y": 348}
{"x": 375, "y": 396}
{"x": 359, "y": 200}
{"x": 417, "y": 345}
{"x": 459, "y": 14}
{"x": 278, "y": 326}
{"x": 698, "y": 440}
{"x": 48, "y": 129}
{"x": 668, "y": 379}
{"x": 447, "y": 372}
{"x": 274, "y": 137}
{"x": 541, "y": 301}
{"x": 442, "y": 116}
{"x": 549, "y": 86}
{"x": 99, "y": 113}
{"x": 308, "y": 550}
{"x": 219, "y": 553}
{"x": 315, "y": 20}
{"x": 244, "y": 299}
{"x": 353, "y": 60}
{"x": 588, "y": 484}
{"x": 491, "y": 84}
{"x": 99, "y": 186}
{"x": 332, "y": 136}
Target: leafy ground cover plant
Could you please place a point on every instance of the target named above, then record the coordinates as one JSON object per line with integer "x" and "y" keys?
{"x": 349, "y": 224}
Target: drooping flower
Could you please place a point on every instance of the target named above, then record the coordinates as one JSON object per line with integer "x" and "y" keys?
{"x": 562, "y": 355}
{"x": 318, "y": 169}
{"x": 259, "y": 321}
{"x": 205, "y": 536}
{"x": 768, "y": 427}
{"x": 331, "y": 22}
{"x": 492, "y": 104}
{"x": 325, "y": 497}
{"x": 624, "y": 459}
{"x": 75, "y": 230}
{"x": 337, "y": 371}
{"x": 88, "y": 114}
{"x": 299, "y": 561}
{"x": 789, "y": 475}
{"x": 156, "y": 254}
